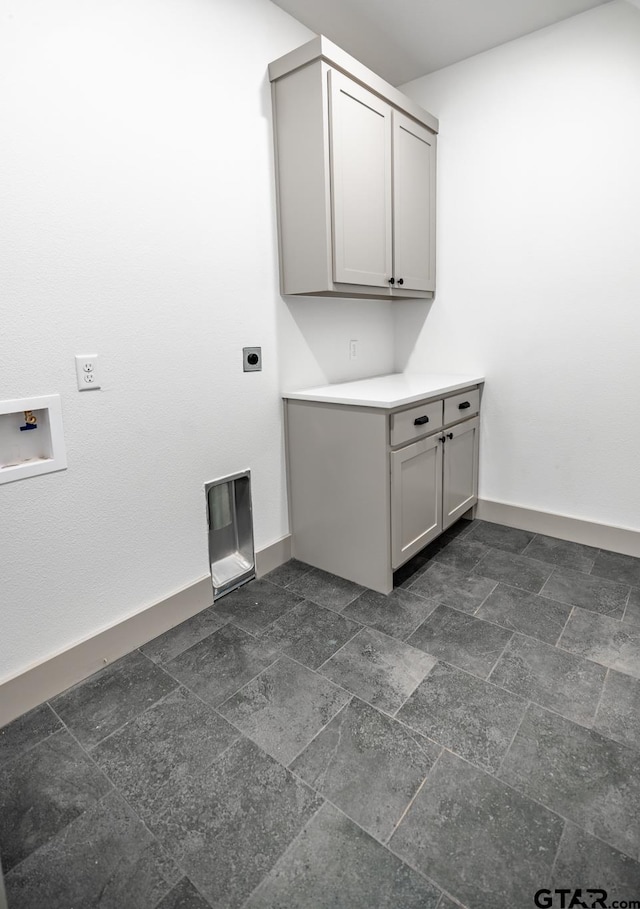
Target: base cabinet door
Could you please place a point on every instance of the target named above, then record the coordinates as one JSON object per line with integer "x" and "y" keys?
{"x": 416, "y": 498}
{"x": 460, "y": 471}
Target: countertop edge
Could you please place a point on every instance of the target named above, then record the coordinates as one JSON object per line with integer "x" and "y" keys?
{"x": 321, "y": 396}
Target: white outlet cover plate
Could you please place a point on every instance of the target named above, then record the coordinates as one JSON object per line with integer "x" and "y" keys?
{"x": 87, "y": 372}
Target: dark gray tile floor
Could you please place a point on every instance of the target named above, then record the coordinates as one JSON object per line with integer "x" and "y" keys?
{"x": 307, "y": 744}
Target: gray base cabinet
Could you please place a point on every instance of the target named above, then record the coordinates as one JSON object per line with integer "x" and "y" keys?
{"x": 370, "y": 487}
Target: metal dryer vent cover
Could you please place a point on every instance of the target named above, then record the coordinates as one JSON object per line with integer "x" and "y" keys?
{"x": 230, "y": 518}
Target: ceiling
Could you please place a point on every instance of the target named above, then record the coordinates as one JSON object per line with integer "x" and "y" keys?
{"x": 403, "y": 39}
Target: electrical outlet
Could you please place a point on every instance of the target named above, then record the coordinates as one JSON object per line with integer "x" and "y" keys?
{"x": 252, "y": 359}
{"x": 353, "y": 349}
{"x": 87, "y": 372}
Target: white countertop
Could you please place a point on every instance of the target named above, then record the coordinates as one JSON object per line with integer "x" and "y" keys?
{"x": 386, "y": 391}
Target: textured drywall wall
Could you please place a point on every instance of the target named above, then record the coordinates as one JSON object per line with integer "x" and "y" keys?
{"x": 138, "y": 223}
{"x": 538, "y": 264}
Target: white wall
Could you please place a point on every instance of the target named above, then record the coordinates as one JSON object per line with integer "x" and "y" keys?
{"x": 539, "y": 261}
{"x": 138, "y": 223}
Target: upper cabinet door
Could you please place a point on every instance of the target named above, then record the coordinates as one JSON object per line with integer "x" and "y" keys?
{"x": 361, "y": 208}
{"x": 414, "y": 188}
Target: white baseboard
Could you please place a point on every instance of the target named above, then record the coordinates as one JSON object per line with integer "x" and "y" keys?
{"x": 602, "y": 536}
{"x": 58, "y": 672}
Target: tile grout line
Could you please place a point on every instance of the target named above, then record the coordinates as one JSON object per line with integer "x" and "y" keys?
{"x": 319, "y": 732}
{"x": 113, "y": 790}
{"x": 385, "y": 845}
{"x": 564, "y": 628}
{"x": 414, "y": 797}
{"x": 626, "y": 604}
{"x": 352, "y": 638}
{"x": 116, "y": 789}
{"x": 513, "y": 738}
{"x": 555, "y": 858}
{"x": 29, "y": 748}
{"x": 502, "y": 653}
{"x": 602, "y": 690}
{"x": 537, "y": 801}
{"x": 282, "y": 856}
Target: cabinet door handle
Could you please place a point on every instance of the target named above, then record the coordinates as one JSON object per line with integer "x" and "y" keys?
{"x": 400, "y": 280}
{"x": 420, "y": 421}
{"x": 442, "y": 438}
{"x": 449, "y": 435}
{"x": 464, "y": 405}
{"x": 392, "y": 280}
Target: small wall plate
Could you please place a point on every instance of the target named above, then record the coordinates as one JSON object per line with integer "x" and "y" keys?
{"x": 252, "y": 359}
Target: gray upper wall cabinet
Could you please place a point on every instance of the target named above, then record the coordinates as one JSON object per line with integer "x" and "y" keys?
{"x": 356, "y": 179}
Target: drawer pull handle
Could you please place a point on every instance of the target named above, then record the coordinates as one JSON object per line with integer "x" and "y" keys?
{"x": 464, "y": 405}
{"x": 420, "y": 421}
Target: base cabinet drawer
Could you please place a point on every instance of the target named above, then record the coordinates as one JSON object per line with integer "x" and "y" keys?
{"x": 416, "y": 497}
{"x": 462, "y": 406}
{"x": 409, "y": 425}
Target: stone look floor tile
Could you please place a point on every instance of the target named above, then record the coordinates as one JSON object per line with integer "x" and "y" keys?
{"x": 178, "y": 735}
{"x": 101, "y": 704}
{"x": 584, "y": 861}
{"x": 480, "y": 840}
{"x": 560, "y": 681}
{"x": 454, "y": 588}
{"x": 183, "y": 896}
{"x": 515, "y": 570}
{"x": 446, "y": 903}
{"x": 462, "y": 554}
{"x": 367, "y": 764}
{"x": 229, "y": 825}
{"x": 588, "y": 592}
{"x": 221, "y": 664}
{"x": 499, "y": 536}
{"x": 397, "y": 614}
{"x": 632, "y": 612}
{"x": 460, "y": 639}
{"x": 256, "y": 605}
{"x": 604, "y": 640}
{"x": 618, "y": 714}
{"x": 286, "y": 574}
{"x": 40, "y": 794}
{"x": 326, "y": 589}
{"x": 185, "y": 635}
{"x": 475, "y": 719}
{"x": 310, "y": 633}
{"x": 284, "y": 708}
{"x": 105, "y": 858}
{"x": 591, "y": 780}
{"x": 378, "y": 669}
{"x": 26, "y": 731}
{"x": 525, "y": 612}
{"x": 239, "y": 820}
{"x": 334, "y": 863}
{"x": 562, "y": 553}
{"x": 617, "y": 567}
